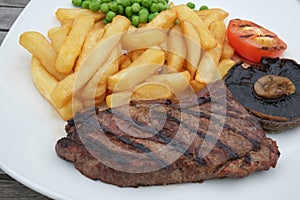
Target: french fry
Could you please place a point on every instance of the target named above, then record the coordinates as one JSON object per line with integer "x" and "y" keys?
{"x": 118, "y": 99}
{"x": 45, "y": 84}
{"x": 176, "y": 48}
{"x": 197, "y": 86}
{"x": 40, "y": 47}
{"x": 224, "y": 66}
{"x": 135, "y": 54}
{"x": 218, "y": 29}
{"x": 142, "y": 68}
{"x": 150, "y": 91}
{"x": 228, "y": 51}
{"x": 186, "y": 14}
{"x": 72, "y": 45}
{"x": 177, "y": 82}
{"x": 143, "y": 38}
{"x": 74, "y": 82}
{"x": 58, "y": 35}
{"x": 164, "y": 19}
{"x": 211, "y": 15}
{"x": 207, "y": 71}
{"x": 69, "y": 14}
{"x": 88, "y": 103}
{"x": 52, "y": 31}
{"x": 90, "y": 42}
{"x": 68, "y": 111}
{"x": 193, "y": 44}
{"x": 124, "y": 62}
{"x": 110, "y": 67}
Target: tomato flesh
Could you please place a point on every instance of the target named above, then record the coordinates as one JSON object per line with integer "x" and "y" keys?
{"x": 252, "y": 41}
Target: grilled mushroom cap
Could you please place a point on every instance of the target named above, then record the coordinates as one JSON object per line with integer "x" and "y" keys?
{"x": 270, "y": 90}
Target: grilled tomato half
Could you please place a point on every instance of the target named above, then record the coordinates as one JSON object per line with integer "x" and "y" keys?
{"x": 253, "y": 41}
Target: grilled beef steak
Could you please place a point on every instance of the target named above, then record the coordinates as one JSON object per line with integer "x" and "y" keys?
{"x": 163, "y": 142}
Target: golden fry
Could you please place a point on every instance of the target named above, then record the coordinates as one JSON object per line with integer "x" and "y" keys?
{"x": 176, "y": 48}
{"x": 164, "y": 19}
{"x": 143, "y": 38}
{"x": 44, "y": 82}
{"x": 118, "y": 99}
{"x": 74, "y": 82}
{"x": 135, "y": 54}
{"x": 186, "y": 14}
{"x": 110, "y": 67}
{"x": 151, "y": 90}
{"x": 142, "y": 68}
{"x": 72, "y": 45}
{"x": 69, "y": 14}
{"x": 207, "y": 71}
{"x": 40, "y": 48}
{"x": 124, "y": 62}
{"x": 197, "y": 86}
{"x": 70, "y": 109}
{"x": 193, "y": 43}
{"x": 90, "y": 42}
{"x": 58, "y": 37}
{"x": 228, "y": 51}
{"x": 211, "y": 15}
{"x": 218, "y": 29}
{"x": 224, "y": 66}
{"x": 177, "y": 82}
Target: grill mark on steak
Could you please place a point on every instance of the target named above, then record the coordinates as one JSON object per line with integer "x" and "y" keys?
{"x": 136, "y": 145}
{"x": 233, "y": 155}
{"x": 207, "y": 138}
{"x": 176, "y": 144}
{"x": 254, "y": 142}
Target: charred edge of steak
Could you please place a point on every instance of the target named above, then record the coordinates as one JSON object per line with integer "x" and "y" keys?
{"x": 241, "y": 149}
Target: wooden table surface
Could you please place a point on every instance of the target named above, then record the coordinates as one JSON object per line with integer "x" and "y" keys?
{"x": 9, "y": 188}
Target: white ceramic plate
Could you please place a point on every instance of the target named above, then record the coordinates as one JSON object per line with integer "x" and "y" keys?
{"x": 30, "y": 127}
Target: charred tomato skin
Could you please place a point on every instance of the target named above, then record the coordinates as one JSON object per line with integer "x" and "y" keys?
{"x": 253, "y": 41}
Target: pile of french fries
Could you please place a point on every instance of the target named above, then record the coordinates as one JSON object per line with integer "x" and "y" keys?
{"x": 85, "y": 62}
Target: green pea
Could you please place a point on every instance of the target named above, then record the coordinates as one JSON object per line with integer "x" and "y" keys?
{"x": 105, "y": 21}
{"x": 77, "y": 3}
{"x": 110, "y": 15}
{"x": 135, "y": 7}
{"x": 135, "y": 20}
{"x": 151, "y": 16}
{"x": 204, "y": 7}
{"x": 144, "y": 11}
{"x": 161, "y": 6}
{"x": 154, "y": 8}
{"x": 146, "y": 3}
{"x": 104, "y": 7}
{"x": 120, "y": 10}
{"x": 94, "y": 6}
{"x": 161, "y": 1}
{"x": 154, "y": 1}
{"x": 85, "y": 4}
{"x": 106, "y": 1}
{"x": 128, "y": 11}
{"x": 119, "y": 2}
{"x": 143, "y": 18}
{"x": 191, "y": 5}
{"x": 113, "y": 6}
{"x": 125, "y": 3}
